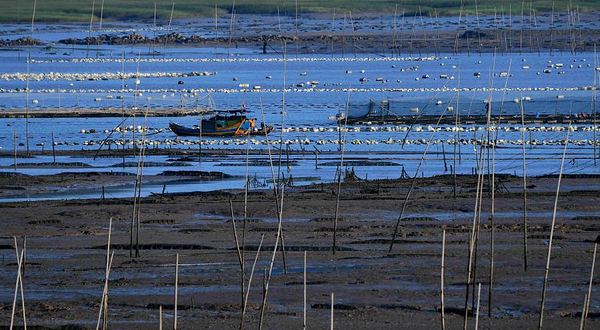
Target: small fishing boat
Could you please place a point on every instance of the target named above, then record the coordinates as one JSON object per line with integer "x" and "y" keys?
{"x": 223, "y": 124}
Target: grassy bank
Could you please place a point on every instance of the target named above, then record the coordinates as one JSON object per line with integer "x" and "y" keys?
{"x": 80, "y": 10}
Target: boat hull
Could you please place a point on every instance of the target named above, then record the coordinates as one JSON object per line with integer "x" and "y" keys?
{"x": 232, "y": 128}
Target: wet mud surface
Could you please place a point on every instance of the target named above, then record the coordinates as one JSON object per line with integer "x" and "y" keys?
{"x": 374, "y": 288}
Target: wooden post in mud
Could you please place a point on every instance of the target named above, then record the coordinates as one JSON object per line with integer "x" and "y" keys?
{"x": 586, "y": 305}
{"x": 316, "y": 159}
{"x": 442, "y": 309}
{"x": 176, "y": 284}
{"x": 304, "y": 290}
{"x": 53, "y": 150}
{"x": 547, "y": 269}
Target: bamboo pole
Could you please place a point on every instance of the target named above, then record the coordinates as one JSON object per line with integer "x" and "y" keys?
{"x": 19, "y": 281}
{"x": 594, "y": 109}
{"x": 169, "y": 29}
{"x": 268, "y": 279}
{"x": 100, "y": 26}
{"x": 394, "y": 32}
{"x": 23, "y": 259}
{"x": 478, "y": 303}
{"x": 297, "y": 39}
{"x": 589, "y": 293}
{"x": 53, "y": 150}
{"x": 160, "y": 317}
{"x": 342, "y": 142}
{"x": 495, "y": 135}
{"x": 232, "y": 19}
{"x": 90, "y": 30}
{"x": 524, "y": 188}
{"x": 442, "y": 310}
{"x": 27, "y": 105}
{"x": 243, "y": 252}
{"x": 104, "y": 303}
{"x": 304, "y": 290}
{"x": 15, "y": 149}
{"x": 472, "y": 238}
{"x": 250, "y": 282}
{"x": 410, "y": 189}
{"x": 140, "y": 176}
{"x": 332, "y": 305}
{"x": 275, "y": 180}
{"x": 478, "y": 198}
{"x": 239, "y": 252}
{"x": 585, "y": 302}
{"x": 547, "y": 269}
{"x": 216, "y": 31}
{"x": 176, "y": 284}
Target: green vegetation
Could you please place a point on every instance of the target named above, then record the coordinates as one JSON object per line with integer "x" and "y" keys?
{"x": 80, "y": 10}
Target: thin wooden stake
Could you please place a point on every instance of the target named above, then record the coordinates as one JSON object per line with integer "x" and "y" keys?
{"x": 176, "y": 284}
{"x": 524, "y": 188}
{"x": 339, "y": 183}
{"x": 15, "y": 149}
{"x": 547, "y": 269}
{"x": 478, "y": 302}
{"x": 104, "y": 303}
{"x": 304, "y": 285}
{"x": 19, "y": 281}
{"x": 442, "y": 310}
{"x": 585, "y": 302}
{"x": 277, "y": 239}
{"x": 239, "y": 252}
{"x": 53, "y": 150}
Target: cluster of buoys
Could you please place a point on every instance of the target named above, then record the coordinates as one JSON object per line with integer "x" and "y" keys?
{"x": 84, "y": 76}
{"x": 130, "y": 128}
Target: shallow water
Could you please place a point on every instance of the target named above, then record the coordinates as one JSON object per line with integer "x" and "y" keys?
{"x": 308, "y": 109}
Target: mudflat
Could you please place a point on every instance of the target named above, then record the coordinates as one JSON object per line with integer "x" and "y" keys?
{"x": 373, "y": 287}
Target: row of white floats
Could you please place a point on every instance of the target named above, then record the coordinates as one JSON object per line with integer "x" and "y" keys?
{"x": 54, "y": 76}
{"x": 306, "y": 141}
{"x": 209, "y": 60}
{"x": 310, "y": 89}
{"x": 574, "y": 128}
